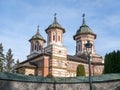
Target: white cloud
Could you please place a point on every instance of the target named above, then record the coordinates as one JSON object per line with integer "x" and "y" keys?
{"x": 19, "y": 20}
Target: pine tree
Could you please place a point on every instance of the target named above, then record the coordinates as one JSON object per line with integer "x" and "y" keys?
{"x": 105, "y": 64}
{"x": 80, "y": 70}
{"x": 9, "y": 61}
{"x": 17, "y": 63}
{"x": 2, "y": 59}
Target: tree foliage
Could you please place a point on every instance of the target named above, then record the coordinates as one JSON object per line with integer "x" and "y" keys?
{"x": 9, "y": 61}
{"x": 50, "y": 75}
{"x": 80, "y": 70}
{"x": 112, "y": 62}
{"x": 16, "y": 65}
{"x": 2, "y": 59}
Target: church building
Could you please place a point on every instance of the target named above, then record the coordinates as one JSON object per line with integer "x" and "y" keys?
{"x": 54, "y": 59}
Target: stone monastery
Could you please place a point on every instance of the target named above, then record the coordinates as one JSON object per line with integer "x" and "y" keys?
{"x": 54, "y": 58}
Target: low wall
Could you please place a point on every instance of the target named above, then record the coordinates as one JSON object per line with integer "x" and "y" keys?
{"x": 21, "y": 82}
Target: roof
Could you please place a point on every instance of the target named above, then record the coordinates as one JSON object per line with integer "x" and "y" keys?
{"x": 55, "y": 24}
{"x": 37, "y": 36}
{"x": 32, "y": 58}
{"x": 84, "y": 29}
{"x": 80, "y": 59}
{"x": 26, "y": 62}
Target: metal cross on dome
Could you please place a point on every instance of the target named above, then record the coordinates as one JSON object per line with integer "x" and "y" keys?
{"x": 83, "y": 15}
{"x": 55, "y": 14}
{"x": 38, "y": 27}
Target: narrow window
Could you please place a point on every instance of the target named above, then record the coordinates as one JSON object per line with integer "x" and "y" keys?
{"x": 79, "y": 47}
{"x": 59, "y": 38}
{"x": 54, "y": 36}
{"x": 39, "y": 47}
{"x": 35, "y": 47}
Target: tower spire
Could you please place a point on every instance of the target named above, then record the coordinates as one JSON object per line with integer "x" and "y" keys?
{"x": 55, "y": 19}
{"x": 83, "y": 19}
{"x": 38, "y": 29}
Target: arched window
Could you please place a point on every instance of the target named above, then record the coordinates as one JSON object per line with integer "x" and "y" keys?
{"x": 54, "y": 36}
{"x": 32, "y": 46}
{"x": 79, "y": 46}
{"x": 40, "y": 73}
{"x": 40, "y": 47}
{"x": 36, "y": 45}
{"x": 48, "y": 38}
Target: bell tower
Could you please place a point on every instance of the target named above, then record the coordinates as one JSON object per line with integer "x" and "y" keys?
{"x": 54, "y": 38}
{"x": 56, "y": 48}
{"x": 84, "y": 34}
{"x": 37, "y": 44}
{"x": 55, "y": 33}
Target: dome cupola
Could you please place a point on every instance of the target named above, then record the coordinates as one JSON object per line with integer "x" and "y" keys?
{"x": 37, "y": 36}
{"x": 82, "y": 36}
{"x": 55, "y": 25}
{"x": 37, "y": 44}
{"x": 84, "y": 29}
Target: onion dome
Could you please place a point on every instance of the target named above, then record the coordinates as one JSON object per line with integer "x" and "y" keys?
{"x": 37, "y": 36}
{"x": 55, "y": 24}
{"x": 84, "y": 29}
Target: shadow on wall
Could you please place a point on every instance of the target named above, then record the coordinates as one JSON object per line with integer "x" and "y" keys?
{"x": 117, "y": 88}
{"x": 54, "y": 86}
{"x": 5, "y": 85}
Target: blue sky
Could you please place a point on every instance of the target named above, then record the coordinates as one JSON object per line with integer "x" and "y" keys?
{"x": 19, "y": 20}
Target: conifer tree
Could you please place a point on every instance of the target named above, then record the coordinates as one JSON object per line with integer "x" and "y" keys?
{"x": 2, "y": 59}
{"x": 112, "y": 62}
{"x": 16, "y": 65}
{"x": 80, "y": 70}
{"x": 9, "y": 61}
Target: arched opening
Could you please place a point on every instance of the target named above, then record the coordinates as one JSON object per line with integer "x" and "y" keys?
{"x": 54, "y": 36}
{"x": 59, "y": 37}
{"x": 78, "y": 47}
{"x": 40, "y": 47}
{"x": 37, "y": 46}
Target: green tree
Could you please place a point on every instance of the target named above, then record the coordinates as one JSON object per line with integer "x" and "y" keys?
{"x": 9, "y": 61}
{"x": 80, "y": 70}
{"x": 112, "y": 62}
{"x": 2, "y": 59}
{"x": 16, "y": 65}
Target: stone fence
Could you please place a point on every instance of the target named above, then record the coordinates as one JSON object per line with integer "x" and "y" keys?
{"x": 10, "y": 81}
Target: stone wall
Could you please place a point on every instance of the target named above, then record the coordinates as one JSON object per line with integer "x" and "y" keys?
{"x": 16, "y": 85}
{"x": 9, "y": 81}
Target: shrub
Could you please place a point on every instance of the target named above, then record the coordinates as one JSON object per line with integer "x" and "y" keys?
{"x": 80, "y": 70}
{"x": 50, "y": 75}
